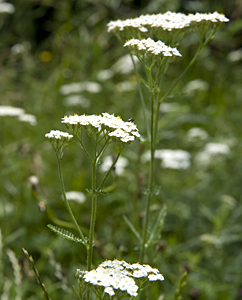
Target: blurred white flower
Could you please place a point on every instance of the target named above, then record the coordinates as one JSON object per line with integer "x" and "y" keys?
{"x": 10, "y": 111}
{"x": 92, "y": 87}
{"x": 103, "y": 75}
{"x": 119, "y": 166}
{"x": 172, "y": 159}
{"x": 75, "y": 100}
{"x": 195, "y": 85}
{"x": 76, "y": 196}
{"x": 7, "y": 8}
{"x": 31, "y": 119}
{"x": 211, "y": 151}
{"x": 196, "y": 133}
{"x": 235, "y": 55}
{"x": 17, "y": 49}
{"x": 77, "y": 87}
{"x": 217, "y": 148}
{"x": 124, "y": 65}
{"x": 166, "y": 107}
{"x": 125, "y": 86}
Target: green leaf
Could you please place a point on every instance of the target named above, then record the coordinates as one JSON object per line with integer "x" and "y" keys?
{"x": 66, "y": 234}
{"x": 155, "y": 231}
{"x": 131, "y": 226}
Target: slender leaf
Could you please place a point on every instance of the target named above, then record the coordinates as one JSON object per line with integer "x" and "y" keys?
{"x": 131, "y": 226}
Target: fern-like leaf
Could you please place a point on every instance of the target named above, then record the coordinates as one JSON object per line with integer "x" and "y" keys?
{"x": 66, "y": 234}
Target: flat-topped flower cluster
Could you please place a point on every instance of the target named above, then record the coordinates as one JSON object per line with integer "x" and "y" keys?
{"x": 115, "y": 127}
{"x": 114, "y": 275}
{"x": 59, "y": 140}
{"x": 58, "y": 135}
{"x": 167, "y": 21}
{"x": 153, "y": 47}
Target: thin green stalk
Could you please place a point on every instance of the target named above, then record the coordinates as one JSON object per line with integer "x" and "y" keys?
{"x": 152, "y": 149}
{"x": 141, "y": 97}
{"x": 93, "y": 218}
{"x": 84, "y": 149}
{"x": 201, "y": 45}
{"x": 103, "y": 148}
{"x": 110, "y": 169}
{"x": 66, "y": 201}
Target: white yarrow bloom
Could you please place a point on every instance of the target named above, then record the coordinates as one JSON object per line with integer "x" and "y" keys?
{"x": 57, "y": 134}
{"x": 149, "y": 46}
{"x": 113, "y": 126}
{"x": 119, "y": 275}
{"x": 153, "y": 277}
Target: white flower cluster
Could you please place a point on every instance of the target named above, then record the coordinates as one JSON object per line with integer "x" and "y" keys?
{"x": 10, "y": 111}
{"x": 8, "y": 8}
{"x": 214, "y": 17}
{"x": 171, "y": 159}
{"x": 117, "y": 128}
{"x": 58, "y": 135}
{"x": 153, "y": 47}
{"x": 212, "y": 153}
{"x": 167, "y": 21}
{"x": 113, "y": 275}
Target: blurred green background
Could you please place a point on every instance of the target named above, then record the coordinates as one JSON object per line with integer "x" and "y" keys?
{"x": 48, "y": 44}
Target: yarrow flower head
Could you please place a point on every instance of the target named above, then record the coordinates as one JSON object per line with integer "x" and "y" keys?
{"x": 207, "y": 23}
{"x": 146, "y": 49}
{"x": 120, "y": 131}
{"x": 119, "y": 276}
{"x": 169, "y": 27}
{"x": 59, "y": 140}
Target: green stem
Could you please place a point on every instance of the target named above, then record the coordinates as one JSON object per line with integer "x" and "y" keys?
{"x": 201, "y": 45}
{"x": 67, "y": 203}
{"x": 93, "y": 218}
{"x": 152, "y": 149}
{"x": 84, "y": 149}
{"x": 110, "y": 169}
{"x": 141, "y": 97}
{"x": 103, "y": 148}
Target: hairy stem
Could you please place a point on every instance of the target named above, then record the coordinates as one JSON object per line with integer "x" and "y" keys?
{"x": 151, "y": 171}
